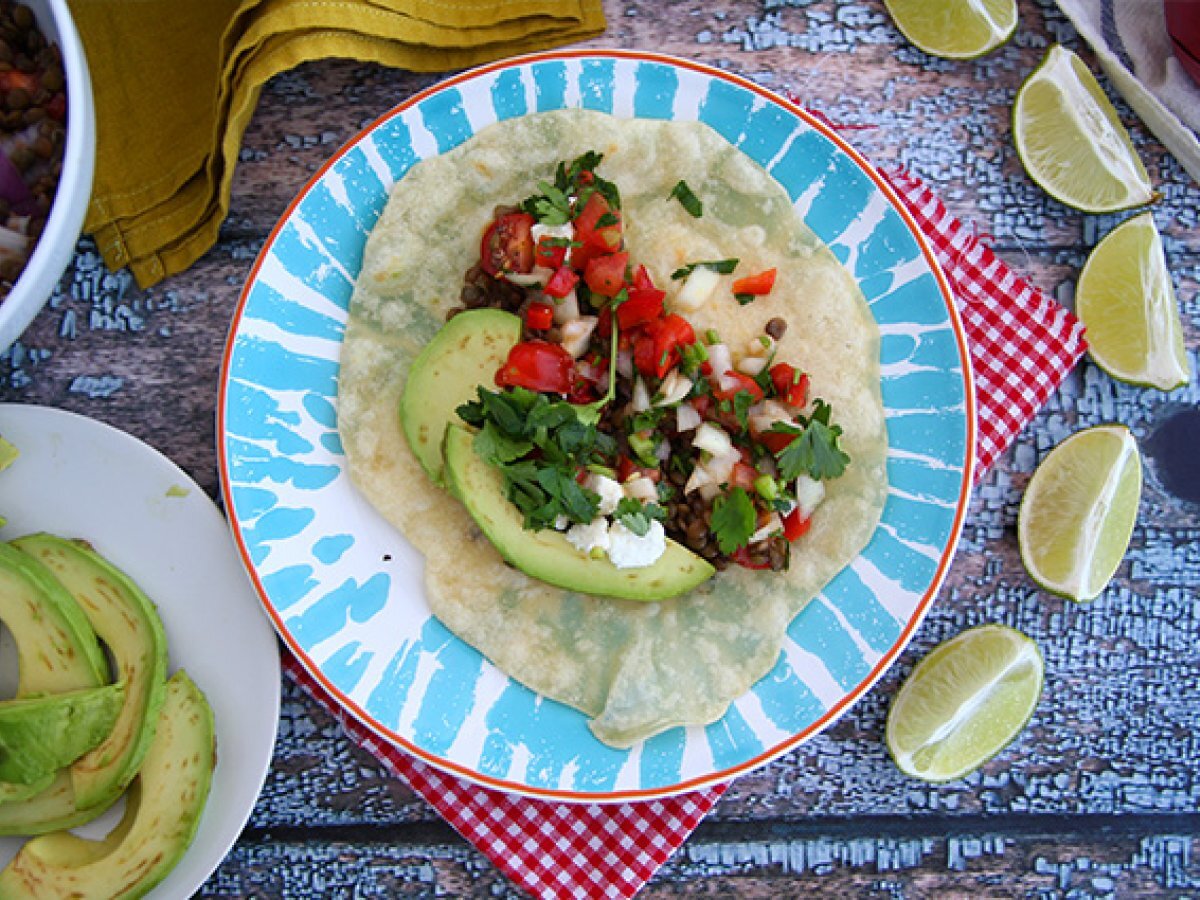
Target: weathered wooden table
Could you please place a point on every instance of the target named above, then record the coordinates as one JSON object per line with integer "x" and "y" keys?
{"x": 1101, "y": 794}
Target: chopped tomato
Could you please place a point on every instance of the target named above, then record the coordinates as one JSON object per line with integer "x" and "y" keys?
{"x": 790, "y": 385}
{"x": 561, "y": 283}
{"x": 641, "y": 279}
{"x": 595, "y": 239}
{"x": 507, "y": 244}
{"x": 549, "y": 252}
{"x": 539, "y": 316}
{"x": 703, "y": 404}
{"x": 775, "y": 441}
{"x": 756, "y": 285}
{"x": 734, "y": 383}
{"x": 643, "y": 305}
{"x": 795, "y": 525}
{"x": 627, "y": 468}
{"x": 538, "y": 366}
{"x": 605, "y": 275}
{"x": 743, "y": 476}
{"x": 604, "y": 324}
{"x": 741, "y": 556}
{"x": 656, "y": 346}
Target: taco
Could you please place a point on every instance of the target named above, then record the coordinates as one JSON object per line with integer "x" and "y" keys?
{"x": 688, "y": 202}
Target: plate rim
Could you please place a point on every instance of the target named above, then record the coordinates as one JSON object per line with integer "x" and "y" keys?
{"x": 887, "y": 658}
{"x": 226, "y": 841}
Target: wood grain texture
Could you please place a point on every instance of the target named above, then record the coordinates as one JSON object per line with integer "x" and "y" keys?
{"x": 1100, "y": 795}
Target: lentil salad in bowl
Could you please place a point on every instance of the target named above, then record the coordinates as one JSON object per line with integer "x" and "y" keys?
{"x": 48, "y": 139}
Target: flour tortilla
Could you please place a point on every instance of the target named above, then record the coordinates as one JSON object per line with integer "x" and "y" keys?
{"x": 635, "y": 668}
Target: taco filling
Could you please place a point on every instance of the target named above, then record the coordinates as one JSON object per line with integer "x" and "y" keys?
{"x": 616, "y": 422}
{"x": 706, "y": 416}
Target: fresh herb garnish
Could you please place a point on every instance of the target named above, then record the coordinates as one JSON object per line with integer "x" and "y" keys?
{"x": 720, "y": 266}
{"x": 733, "y": 519}
{"x": 815, "y": 451}
{"x": 743, "y": 299}
{"x": 558, "y": 203}
{"x": 687, "y": 199}
{"x": 636, "y": 516}
{"x": 538, "y": 444}
{"x": 742, "y": 401}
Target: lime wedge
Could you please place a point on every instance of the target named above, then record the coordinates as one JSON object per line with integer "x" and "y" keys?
{"x": 964, "y": 702}
{"x": 955, "y": 29}
{"x": 1071, "y": 141}
{"x": 1126, "y": 300}
{"x": 1078, "y": 511}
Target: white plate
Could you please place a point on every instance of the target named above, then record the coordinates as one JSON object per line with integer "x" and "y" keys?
{"x": 77, "y": 477}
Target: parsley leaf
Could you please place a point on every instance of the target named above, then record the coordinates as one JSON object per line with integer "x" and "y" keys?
{"x": 687, "y": 199}
{"x": 815, "y": 451}
{"x": 743, "y": 299}
{"x": 733, "y": 519}
{"x": 742, "y": 401}
{"x": 551, "y": 207}
{"x": 720, "y": 266}
{"x": 636, "y": 516}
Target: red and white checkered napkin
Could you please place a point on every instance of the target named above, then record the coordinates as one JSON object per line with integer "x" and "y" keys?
{"x": 1022, "y": 345}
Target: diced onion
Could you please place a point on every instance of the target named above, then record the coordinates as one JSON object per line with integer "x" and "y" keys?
{"x": 769, "y": 527}
{"x": 761, "y": 346}
{"x": 751, "y": 365}
{"x": 698, "y": 479}
{"x": 763, "y": 415}
{"x": 720, "y": 359}
{"x": 642, "y": 488}
{"x": 697, "y": 288}
{"x": 673, "y": 389}
{"x": 809, "y": 494}
{"x": 686, "y": 417}
{"x": 720, "y": 467}
{"x": 566, "y": 309}
{"x": 538, "y": 275}
{"x": 713, "y": 439}
{"x": 575, "y": 335}
{"x": 625, "y": 363}
{"x": 641, "y": 395}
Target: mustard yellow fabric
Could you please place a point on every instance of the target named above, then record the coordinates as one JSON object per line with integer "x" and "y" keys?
{"x": 177, "y": 82}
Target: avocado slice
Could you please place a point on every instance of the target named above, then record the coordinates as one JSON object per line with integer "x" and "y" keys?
{"x": 57, "y": 650}
{"x": 464, "y": 354}
{"x": 162, "y": 813}
{"x": 546, "y": 554}
{"x": 41, "y": 735}
{"x": 126, "y": 620}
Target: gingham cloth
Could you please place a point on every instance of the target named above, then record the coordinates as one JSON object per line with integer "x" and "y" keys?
{"x": 1022, "y": 345}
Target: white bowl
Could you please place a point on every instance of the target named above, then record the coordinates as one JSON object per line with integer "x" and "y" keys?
{"x": 57, "y": 243}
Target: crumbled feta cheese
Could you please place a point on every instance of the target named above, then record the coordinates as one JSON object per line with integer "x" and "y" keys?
{"x": 609, "y": 489}
{"x": 561, "y": 522}
{"x": 590, "y": 536}
{"x": 627, "y": 550}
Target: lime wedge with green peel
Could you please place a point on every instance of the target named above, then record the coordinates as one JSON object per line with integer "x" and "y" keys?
{"x": 1071, "y": 141}
{"x": 1126, "y": 300}
{"x": 955, "y": 29}
{"x": 964, "y": 702}
{"x": 1078, "y": 511}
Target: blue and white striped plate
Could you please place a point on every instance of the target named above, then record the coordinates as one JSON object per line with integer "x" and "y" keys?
{"x": 316, "y": 550}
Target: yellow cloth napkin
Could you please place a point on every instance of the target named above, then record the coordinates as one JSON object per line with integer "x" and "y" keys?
{"x": 176, "y": 84}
